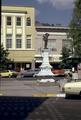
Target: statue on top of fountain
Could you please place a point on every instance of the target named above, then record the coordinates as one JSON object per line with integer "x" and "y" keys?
{"x": 45, "y": 39}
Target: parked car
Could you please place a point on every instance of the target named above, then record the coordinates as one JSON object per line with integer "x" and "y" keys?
{"x": 28, "y": 73}
{"x": 8, "y": 73}
{"x": 58, "y": 72}
{"x": 72, "y": 88}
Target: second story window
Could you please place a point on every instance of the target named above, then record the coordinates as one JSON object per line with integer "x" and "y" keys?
{"x": 28, "y": 41}
{"x": 28, "y": 21}
{"x": 18, "y": 41}
{"x": 18, "y": 21}
{"x": 1, "y": 21}
{"x": 8, "y": 20}
{"x": 9, "y": 41}
{"x": 52, "y": 44}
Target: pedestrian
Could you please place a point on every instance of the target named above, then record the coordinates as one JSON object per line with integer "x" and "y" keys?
{"x": 74, "y": 75}
{"x": 79, "y": 71}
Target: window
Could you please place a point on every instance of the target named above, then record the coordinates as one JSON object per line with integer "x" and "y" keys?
{"x": 18, "y": 21}
{"x": 28, "y": 41}
{"x": 1, "y": 21}
{"x": 9, "y": 41}
{"x": 52, "y": 44}
{"x": 18, "y": 41}
{"x": 8, "y": 20}
{"x": 28, "y": 21}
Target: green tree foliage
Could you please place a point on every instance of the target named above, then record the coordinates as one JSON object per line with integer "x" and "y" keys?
{"x": 65, "y": 52}
{"x": 3, "y": 57}
{"x": 65, "y": 55}
{"x": 75, "y": 29}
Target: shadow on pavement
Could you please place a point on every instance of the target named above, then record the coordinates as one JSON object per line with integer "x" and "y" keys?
{"x": 73, "y": 97}
{"x": 18, "y": 108}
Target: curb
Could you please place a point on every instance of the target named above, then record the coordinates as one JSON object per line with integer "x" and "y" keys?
{"x": 1, "y": 94}
{"x": 49, "y": 95}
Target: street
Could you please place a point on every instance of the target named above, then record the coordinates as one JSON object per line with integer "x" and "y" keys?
{"x": 28, "y": 87}
{"x": 28, "y": 99}
{"x": 39, "y": 108}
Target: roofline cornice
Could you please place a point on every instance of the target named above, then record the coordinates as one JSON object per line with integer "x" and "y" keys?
{"x": 17, "y": 6}
{"x": 52, "y": 27}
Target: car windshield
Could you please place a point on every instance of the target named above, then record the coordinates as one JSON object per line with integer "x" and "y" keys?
{"x": 4, "y": 71}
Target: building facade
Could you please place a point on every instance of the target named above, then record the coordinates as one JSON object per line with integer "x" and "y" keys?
{"x": 24, "y": 39}
{"x": 56, "y": 41}
{"x": 18, "y": 35}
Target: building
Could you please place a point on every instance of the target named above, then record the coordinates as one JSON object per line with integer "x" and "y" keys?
{"x": 18, "y": 35}
{"x": 56, "y": 40}
{"x": 24, "y": 40}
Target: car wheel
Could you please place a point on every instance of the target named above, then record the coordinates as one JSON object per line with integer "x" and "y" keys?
{"x": 80, "y": 93}
{"x": 9, "y": 76}
{"x": 22, "y": 75}
{"x": 67, "y": 96}
{"x": 13, "y": 76}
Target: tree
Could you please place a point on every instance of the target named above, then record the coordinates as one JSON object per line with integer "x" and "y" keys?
{"x": 65, "y": 55}
{"x": 3, "y": 57}
{"x": 75, "y": 29}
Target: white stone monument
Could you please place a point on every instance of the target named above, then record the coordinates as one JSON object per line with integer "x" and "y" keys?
{"x": 45, "y": 68}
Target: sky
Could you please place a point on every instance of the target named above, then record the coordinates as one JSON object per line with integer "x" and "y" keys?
{"x": 48, "y": 11}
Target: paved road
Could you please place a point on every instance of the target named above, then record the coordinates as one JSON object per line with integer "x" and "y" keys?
{"x": 14, "y": 87}
{"x": 36, "y": 108}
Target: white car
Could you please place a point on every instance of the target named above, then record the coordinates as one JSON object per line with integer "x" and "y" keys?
{"x": 72, "y": 88}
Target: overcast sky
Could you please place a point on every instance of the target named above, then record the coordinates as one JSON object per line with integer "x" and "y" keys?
{"x": 48, "y": 11}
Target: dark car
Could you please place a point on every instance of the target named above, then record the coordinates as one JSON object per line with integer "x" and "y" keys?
{"x": 58, "y": 72}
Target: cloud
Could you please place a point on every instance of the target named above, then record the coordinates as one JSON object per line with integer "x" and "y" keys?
{"x": 59, "y": 4}
{"x": 42, "y": 1}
